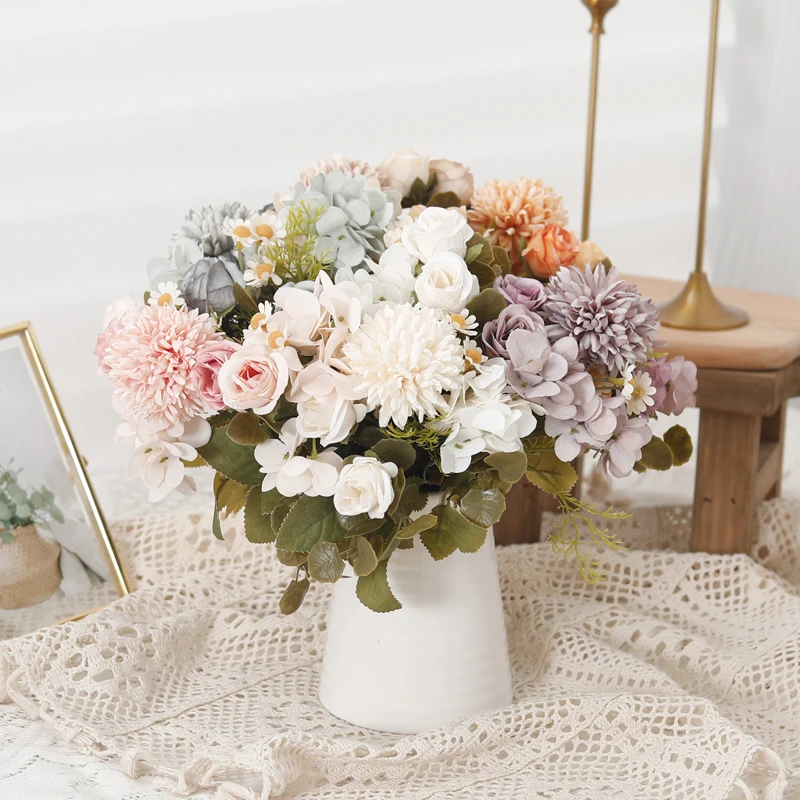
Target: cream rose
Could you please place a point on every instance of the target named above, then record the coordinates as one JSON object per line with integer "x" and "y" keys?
{"x": 437, "y": 230}
{"x": 253, "y": 378}
{"x": 399, "y": 170}
{"x": 446, "y": 283}
{"x": 365, "y": 487}
{"x": 329, "y": 419}
{"x": 453, "y": 177}
{"x": 589, "y": 255}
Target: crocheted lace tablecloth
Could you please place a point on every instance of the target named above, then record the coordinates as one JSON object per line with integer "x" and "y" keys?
{"x": 678, "y": 677}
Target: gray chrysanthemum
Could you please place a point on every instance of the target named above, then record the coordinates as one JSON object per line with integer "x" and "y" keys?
{"x": 613, "y": 323}
{"x": 204, "y": 225}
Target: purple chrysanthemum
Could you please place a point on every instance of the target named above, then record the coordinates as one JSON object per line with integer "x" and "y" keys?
{"x": 613, "y": 323}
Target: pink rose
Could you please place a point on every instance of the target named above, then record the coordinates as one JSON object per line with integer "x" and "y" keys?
{"x": 550, "y": 249}
{"x": 205, "y": 373}
{"x": 254, "y": 378}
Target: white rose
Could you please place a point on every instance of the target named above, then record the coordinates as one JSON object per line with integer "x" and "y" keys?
{"x": 329, "y": 419}
{"x": 503, "y": 424}
{"x": 446, "y": 283}
{"x": 453, "y": 177}
{"x": 399, "y": 170}
{"x": 365, "y": 487}
{"x": 437, "y": 230}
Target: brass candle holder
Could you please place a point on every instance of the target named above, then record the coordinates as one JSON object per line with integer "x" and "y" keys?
{"x": 696, "y": 307}
{"x": 598, "y": 9}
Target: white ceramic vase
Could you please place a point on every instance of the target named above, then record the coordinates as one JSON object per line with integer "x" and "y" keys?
{"x": 442, "y": 656}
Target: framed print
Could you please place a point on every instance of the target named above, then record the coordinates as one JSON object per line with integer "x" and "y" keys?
{"x": 57, "y": 561}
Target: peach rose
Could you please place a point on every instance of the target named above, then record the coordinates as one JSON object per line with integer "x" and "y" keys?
{"x": 550, "y": 249}
{"x": 254, "y": 378}
{"x": 205, "y": 373}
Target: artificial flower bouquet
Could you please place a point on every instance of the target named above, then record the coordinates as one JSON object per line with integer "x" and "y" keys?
{"x": 378, "y": 337}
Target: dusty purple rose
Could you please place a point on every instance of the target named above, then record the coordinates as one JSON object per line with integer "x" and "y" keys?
{"x": 681, "y": 387}
{"x": 512, "y": 318}
{"x": 526, "y": 292}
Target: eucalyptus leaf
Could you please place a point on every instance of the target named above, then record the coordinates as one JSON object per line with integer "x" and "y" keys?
{"x": 234, "y": 461}
{"x": 293, "y": 596}
{"x": 324, "y": 562}
{"x": 396, "y": 451}
{"x": 657, "y": 455}
{"x": 483, "y": 507}
{"x": 257, "y": 525}
{"x": 366, "y": 559}
{"x": 310, "y": 520}
{"x": 680, "y": 442}
{"x": 374, "y": 592}
{"x": 245, "y": 428}
{"x": 510, "y": 466}
{"x": 290, "y": 559}
{"x": 486, "y": 306}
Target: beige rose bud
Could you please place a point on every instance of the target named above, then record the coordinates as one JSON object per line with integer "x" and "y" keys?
{"x": 589, "y": 255}
{"x": 453, "y": 177}
{"x": 399, "y": 170}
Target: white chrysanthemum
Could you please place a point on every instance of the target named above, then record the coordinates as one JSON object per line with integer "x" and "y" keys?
{"x": 403, "y": 359}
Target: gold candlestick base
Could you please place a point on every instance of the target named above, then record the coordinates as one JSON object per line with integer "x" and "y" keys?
{"x": 696, "y": 308}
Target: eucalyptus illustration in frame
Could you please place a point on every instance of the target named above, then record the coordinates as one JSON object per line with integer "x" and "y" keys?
{"x": 57, "y": 561}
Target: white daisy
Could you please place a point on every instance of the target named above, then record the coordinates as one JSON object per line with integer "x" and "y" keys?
{"x": 166, "y": 294}
{"x": 260, "y": 273}
{"x": 259, "y": 228}
{"x": 464, "y": 322}
{"x": 627, "y": 381}
{"x": 641, "y": 393}
{"x": 473, "y": 354}
{"x": 259, "y": 321}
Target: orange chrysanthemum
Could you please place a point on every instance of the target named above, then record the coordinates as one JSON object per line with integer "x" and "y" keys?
{"x": 508, "y": 211}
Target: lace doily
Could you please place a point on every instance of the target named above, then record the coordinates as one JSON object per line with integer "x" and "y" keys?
{"x": 677, "y": 677}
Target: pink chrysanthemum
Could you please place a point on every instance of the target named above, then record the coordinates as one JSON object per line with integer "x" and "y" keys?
{"x": 148, "y": 355}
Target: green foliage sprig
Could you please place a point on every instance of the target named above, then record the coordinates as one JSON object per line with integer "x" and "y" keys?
{"x": 22, "y": 506}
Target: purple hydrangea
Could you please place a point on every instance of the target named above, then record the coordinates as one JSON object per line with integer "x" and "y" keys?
{"x": 624, "y": 448}
{"x": 612, "y": 323}
{"x": 511, "y": 318}
{"x": 519, "y": 291}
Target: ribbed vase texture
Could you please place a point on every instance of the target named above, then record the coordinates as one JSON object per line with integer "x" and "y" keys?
{"x": 441, "y": 657}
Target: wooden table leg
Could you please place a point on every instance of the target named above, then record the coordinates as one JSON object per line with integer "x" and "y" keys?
{"x": 522, "y": 521}
{"x": 725, "y": 486}
{"x": 770, "y": 456}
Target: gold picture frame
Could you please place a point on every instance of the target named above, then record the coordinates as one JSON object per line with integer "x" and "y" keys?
{"x": 78, "y": 480}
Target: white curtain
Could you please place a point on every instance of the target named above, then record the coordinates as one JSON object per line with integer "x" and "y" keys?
{"x": 753, "y": 241}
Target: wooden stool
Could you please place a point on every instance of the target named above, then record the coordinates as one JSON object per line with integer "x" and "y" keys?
{"x": 745, "y": 377}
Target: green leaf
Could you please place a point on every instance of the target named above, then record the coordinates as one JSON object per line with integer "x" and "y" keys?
{"x": 310, "y": 520}
{"x": 657, "y": 455}
{"x": 398, "y": 487}
{"x": 473, "y": 252}
{"x": 221, "y": 419}
{"x": 510, "y": 466}
{"x": 483, "y": 272}
{"x": 293, "y": 596}
{"x": 501, "y": 260}
{"x": 359, "y": 524}
{"x": 370, "y": 436}
{"x": 257, "y": 526}
{"x": 396, "y": 451}
{"x": 445, "y": 200}
{"x": 278, "y": 514}
{"x": 416, "y": 194}
{"x": 486, "y": 306}
{"x": 412, "y": 500}
{"x": 244, "y": 301}
{"x": 290, "y": 559}
{"x": 324, "y": 562}
{"x": 366, "y": 559}
{"x": 198, "y": 462}
{"x": 271, "y": 500}
{"x": 229, "y": 495}
{"x": 234, "y": 461}
{"x": 7, "y": 536}
{"x": 216, "y": 528}
{"x": 679, "y": 441}
{"x": 483, "y": 507}
{"x": 420, "y": 524}
{"x": 452, "y": 531}
{"x": 552, "y": 475}
{"x": 245, "y": 428}
{"x": 374, "y": 592}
